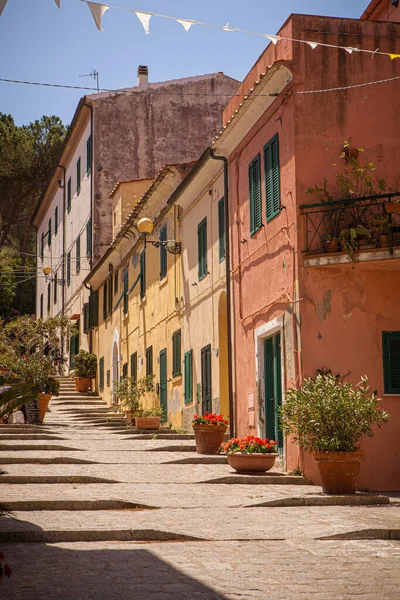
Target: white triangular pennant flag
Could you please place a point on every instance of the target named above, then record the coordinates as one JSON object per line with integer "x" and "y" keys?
{"x": 98, "y": 11}
{"x": 272, "y": 38}
{"x": 312, "y": 45}
{"x": 186, "y": 24}
{"x": 58, "y": 2}
{"x": 2, "y": 5}
{"x": 144, "y": 18}
{"x": 227, "y": 28}
{"x": 351, "y": 50}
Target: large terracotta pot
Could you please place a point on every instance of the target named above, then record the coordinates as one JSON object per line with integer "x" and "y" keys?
{"x": 208, "y": 438}
{"x": 339, "y": 471}
{"x": 82, "y": 384}
{"x": 43, "y": 400}
{"x": 148, "y": 422}
{"x": 257, "y": 462}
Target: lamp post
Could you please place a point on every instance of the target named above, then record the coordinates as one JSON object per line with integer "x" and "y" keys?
{"x": 146, "y": 227}
{"x": 47, "y": 271}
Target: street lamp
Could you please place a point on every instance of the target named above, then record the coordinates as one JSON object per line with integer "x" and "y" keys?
{"x": 146, "y": 227}
{"x": 46, "y": 271}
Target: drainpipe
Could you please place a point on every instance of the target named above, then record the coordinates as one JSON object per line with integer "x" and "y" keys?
{"x": 228, "y": 292}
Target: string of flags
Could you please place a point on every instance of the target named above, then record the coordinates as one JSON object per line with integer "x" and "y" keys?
{"x": 98, "y": 10}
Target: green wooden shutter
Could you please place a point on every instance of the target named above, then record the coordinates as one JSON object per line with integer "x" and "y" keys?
{"x": 89, "y": 237}
{"x": 69, "y": 194}
{"x": 86, "y": 317}
{"x": 105, "y": 296}
{"x": 78, "y": 176}
{"x": 101, "y": 373}
{"x": 391, "y": 361}
{"x": 55, "y": 284}
{"x": 134, "y": 366}
{"x": 255, "y": 195}
{"x": 42, "y": 247}
{"x": 41, "y": 306}
{"x": 149, "y": 360}
{"x": 55, "y": 220}
{"x": 143, "y": 274}
{"x": 188, "y": 376}
{"x": 125, "y": 370}
{"x": 89, "y": 154}
{"x": 126, "y": 285}
{"x": 78, "y": 254}
{"x": 110, "y": 296}
{"x": 272, "y": 178}
{"x": 93, "y": 309}
{"x": 163, "y": 253}
{"x": 206, "y": 381}
{"x": 49, "y": 234}
{"x": 202, "y": 248}
{"x": 108, "y": 378}
{"x": 116, "y": 276}
{"x": 221, "y": 229}
{"x": 68, "y": 268}
{"x": 176, "y": 354}
{"x": 48, "y": 296}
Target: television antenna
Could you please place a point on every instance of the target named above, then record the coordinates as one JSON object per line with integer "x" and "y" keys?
{"x": 94, "y": 75}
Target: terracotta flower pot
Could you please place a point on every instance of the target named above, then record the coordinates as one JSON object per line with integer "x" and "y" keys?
{"x": 246, "y": 462}
{"x": 43, "y": 400}
{"x": 339, "y": 471}
{"x": 82, "y": 384}
{"x": 383, "y": 241}
{"x": 208, "y": 438}
{"x": 331, "y": 245}
{"x": 148, "y": 422}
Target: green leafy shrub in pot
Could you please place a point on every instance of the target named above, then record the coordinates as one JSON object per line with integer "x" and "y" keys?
{"x": 85, "y": 364}
{"x": 327, "y": 415}
{"x": 150, "y": 412}
{"x": 36, "y": 371}
{"x": 126, "y": 393}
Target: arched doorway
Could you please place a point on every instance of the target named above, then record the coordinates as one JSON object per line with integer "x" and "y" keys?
{"x": 223, "y": 354}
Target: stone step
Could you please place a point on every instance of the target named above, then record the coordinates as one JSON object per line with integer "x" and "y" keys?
{"x": 74, "y": 505}
{"x": 26, "y": 447}
{"x": 29, "y": 436}
{"x": 125, "y": 535}
{"x": 199, "y": 460}
{"x": 161, "y": 436}
{"x": 321, "y": 499}
{"x": 58, "y": 460}
{"x": 56, "y": 479}
{"x": 181, "y": 448}
{"x": 271, "y": 478}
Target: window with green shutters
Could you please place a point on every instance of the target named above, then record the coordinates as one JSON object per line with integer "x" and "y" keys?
{"x": 149, "y": 361}
{"x": 93, "y": 309}
{"x": 89, "y": 154}
{"x": 42, "y": 247}
{"x": 105, "y": 300}
{"x": 56, "y": 220}
{"x": 221, "y": 229}
{"x": 126, "y": 286}
{"x": 68, "y": 268}
{"x": 78, "y": 176}
{"x": 188, "y": 376}
{"x": 108, "y": 378}
{"x": 116, "y": 276}
{"x": 110, "y": 296}
{"x": 176, "y": 354}
{"x": 124, "y": 370}
{"x": 48, "y": 296}
{"x": 78, "y": 253}
{"x": 202, "y": 248}
{"x": 89, "y": 237}
{"x": 55, "y": 288}
{"x": 86, "y": 317}
{"x": 391, "y": 361}
{"x": 272, "y": 178}
{"x": 49, "y": 234}
{"x": 255, "y": 195}
{"x": 143, "y": 274}
{"x": 134, "y": 366}
{"x": 69, "y": 194}
{"x": 101, "y": 373}
{"x": 206, "y": 380}
{"x": 163, "y": 253}
{"x": 41, "y": 306}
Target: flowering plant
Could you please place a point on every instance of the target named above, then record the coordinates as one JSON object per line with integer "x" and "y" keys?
{"x": 249, "y": 445}
{"x": 4, "y": 569}
{"x": 209, "y": 419}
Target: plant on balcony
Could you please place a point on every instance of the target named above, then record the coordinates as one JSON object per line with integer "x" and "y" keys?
{"x": 329, "y": 418}
{"x": 85, "y": 370}
{"x": 350, "y": 240}
{"x": 380, "y": 225}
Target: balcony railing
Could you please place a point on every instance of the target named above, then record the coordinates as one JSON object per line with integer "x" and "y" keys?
{"x": 374, "y": 220}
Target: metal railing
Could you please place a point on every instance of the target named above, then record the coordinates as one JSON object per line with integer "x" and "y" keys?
{"x": 329, "y": 220}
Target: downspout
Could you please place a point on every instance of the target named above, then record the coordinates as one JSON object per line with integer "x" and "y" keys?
{"x": 228, "y": 292}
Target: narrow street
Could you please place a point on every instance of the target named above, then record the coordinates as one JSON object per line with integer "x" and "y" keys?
{"x": 104, "y": 512}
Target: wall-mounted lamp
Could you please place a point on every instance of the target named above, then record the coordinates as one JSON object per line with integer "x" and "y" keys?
{"x": 146, "y": 227}
{"x": 47, "y": 271}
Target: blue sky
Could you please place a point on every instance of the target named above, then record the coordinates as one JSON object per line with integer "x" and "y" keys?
{"x": 39, "y": 42}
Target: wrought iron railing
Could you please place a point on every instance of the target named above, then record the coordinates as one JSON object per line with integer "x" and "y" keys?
{"x": 379, "y": 215}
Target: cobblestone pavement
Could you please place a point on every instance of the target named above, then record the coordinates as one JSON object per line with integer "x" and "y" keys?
{"x": 201, "y": 540}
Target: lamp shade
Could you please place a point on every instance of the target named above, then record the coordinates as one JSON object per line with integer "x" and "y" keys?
{"x": 145, "y": 225}
{"x": 46, "y": 270}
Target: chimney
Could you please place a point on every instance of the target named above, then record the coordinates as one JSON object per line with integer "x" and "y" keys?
{"x": 143, "y": 76}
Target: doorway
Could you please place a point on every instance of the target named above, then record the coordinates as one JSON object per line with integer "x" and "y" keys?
{"x": 273, "y": 388}
{"x": 163, "y": 385}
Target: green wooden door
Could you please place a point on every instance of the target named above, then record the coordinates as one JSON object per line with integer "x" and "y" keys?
{"x": 163, "y": 384}
{"x": 206, "y": 385}
{"x": 273, "y": 388}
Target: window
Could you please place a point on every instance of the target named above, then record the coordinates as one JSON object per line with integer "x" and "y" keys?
{"x": 89, "y": 154}
{"x": 101, "y": 373}
{"x": 124, "y": 370}
{"x": 78, "y": 253}
{"x": 89, "y": 237}
{"x": 188, "y": 376}
{"x": 255, "y": 195}
{"x": 86, "y": 317}
{"x": 49, "y": 234}
{"x": 391, "y": 361}
{"x": 134, "y": 366}
{"x": 78, "y": 176}
{"x": 93, "y": 309}
{"x": 272, "y": 178}
{"x": 42, "y": 247}
{"x": 68, "y": 268}
{"x": 48, "y": 296}
{"x": 69, "y": 194}
{"x": 56, "y": 220}
{"x": 108, "y": 377}
{"x": 116, "y": 275}
{"x": 41, "y": 306}
{"x": 149, "y": 360}
{"x": 163, "y": 253}
{"x": 221, "y": 229}
{"x": 55, "y": 288}
{"x": 143, "y": 274}
{"x": 202, "y": 248}
{"x": 110, "y": 296}
{"x": 176, "y": 354}
{"x": 105, "y": 298}
{"x": 126, "y": 284}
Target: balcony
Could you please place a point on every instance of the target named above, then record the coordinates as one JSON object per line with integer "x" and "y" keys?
{"x": 351, "y": 230}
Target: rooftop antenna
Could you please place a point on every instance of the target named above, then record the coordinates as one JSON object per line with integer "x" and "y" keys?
{"x": 94, "y": 75}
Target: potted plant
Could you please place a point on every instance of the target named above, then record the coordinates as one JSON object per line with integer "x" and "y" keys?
{"x": 350, "y": 238}
{"x": 126, "y": 395}
{"x": 149, "y": 418}
{"x": 331, "y": 243}
{"x": 381, "y": 225}
{"x": 36, "y": 371}
{"x": 329, "y": 418}
{"x": 85, "y": 370}
{"x": 209, "y": 430}
{"x": 250, "y": 454}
